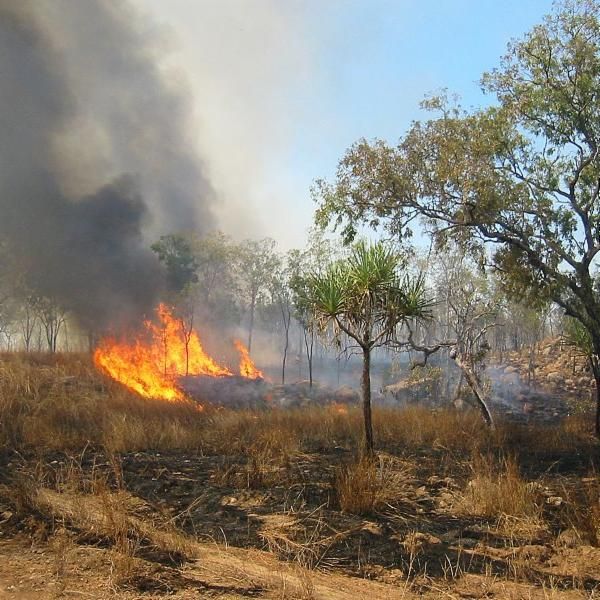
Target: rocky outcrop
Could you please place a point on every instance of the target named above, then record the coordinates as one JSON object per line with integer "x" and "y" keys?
{"x": 546, "y": 381}
{"x": 551, "y": 367}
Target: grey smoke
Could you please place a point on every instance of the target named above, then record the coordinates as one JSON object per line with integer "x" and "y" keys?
{"x": 96, "y": 158}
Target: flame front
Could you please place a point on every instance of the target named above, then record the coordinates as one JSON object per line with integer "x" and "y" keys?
{"x": 151, "y": 364}
{"x": 247, "y": 367}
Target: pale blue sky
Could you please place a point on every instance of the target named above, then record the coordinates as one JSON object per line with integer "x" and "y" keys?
{"x": 282, "y": 87}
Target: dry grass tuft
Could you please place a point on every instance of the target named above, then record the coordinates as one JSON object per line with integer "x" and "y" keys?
{"x": 357, "y": 486}
{"x": 369, "y": 484}
{"x": 498, "y": 490}
{"x": 580, "y": 511}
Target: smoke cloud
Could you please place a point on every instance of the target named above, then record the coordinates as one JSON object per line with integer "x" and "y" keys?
{"x": 96, "y": 158}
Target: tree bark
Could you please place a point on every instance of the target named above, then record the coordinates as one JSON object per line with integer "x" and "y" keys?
{"x": 473, "y": 382}
{"x": 595, "y": 364}
{"x": 252, "y": 307}
{"x": 366, "y": 394}
{"x": 309, "y": 353}
{"x": 287, "y": 317}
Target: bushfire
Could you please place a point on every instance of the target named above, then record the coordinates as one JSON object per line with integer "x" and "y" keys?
{"x": 247, "y": 367}
{"x": 151, "y": 363}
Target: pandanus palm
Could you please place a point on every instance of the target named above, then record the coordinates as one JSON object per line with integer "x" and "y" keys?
{"x": 366, "y": 297}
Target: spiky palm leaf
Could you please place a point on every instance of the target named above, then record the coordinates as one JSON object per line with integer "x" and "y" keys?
{"x": 365, "y": 296}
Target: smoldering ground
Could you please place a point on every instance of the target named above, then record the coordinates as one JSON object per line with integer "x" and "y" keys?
{"x": 96, "y": 158}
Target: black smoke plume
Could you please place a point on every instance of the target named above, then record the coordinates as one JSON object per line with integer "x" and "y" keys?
{"x": 95, "y": 155}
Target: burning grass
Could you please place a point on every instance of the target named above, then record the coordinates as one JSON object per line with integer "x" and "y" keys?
{"x": 167, "y": 349}
{"x": 62, "y": 402}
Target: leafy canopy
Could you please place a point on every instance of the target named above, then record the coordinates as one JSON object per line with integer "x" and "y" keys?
{"x": 521, "y": 177}
{"x": 175, "y": 252}
{"x": 365, "y": 296}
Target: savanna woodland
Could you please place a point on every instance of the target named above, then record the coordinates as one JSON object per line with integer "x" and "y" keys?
{"x": 406, "y": 407}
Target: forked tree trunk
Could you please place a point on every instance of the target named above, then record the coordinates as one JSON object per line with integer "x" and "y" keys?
{"x": 366, "y": 396}
{"x": 473, "y": 382}
{"x": 309, "y": 352}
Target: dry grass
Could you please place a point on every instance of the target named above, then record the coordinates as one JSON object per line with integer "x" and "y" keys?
{"x": 61, "y": 402}
{"x": 358, "y": 486}
{"x": 498, "y": 490}
{"x": 70, "y": 505}
{"x": 369, "y": 484}
{"x": 51, "y": 404}
{"x": 581, "y": 510}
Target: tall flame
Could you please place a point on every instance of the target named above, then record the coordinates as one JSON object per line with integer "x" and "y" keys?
{"x": 150, "y": 364}
{"x": 247, "y": 367}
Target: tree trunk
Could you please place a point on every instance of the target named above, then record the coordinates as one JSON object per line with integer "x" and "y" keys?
{"x": 186, "y": 333}
{"x": 595, "y": 364}
{"x": 458, "y": 389}
{"x": 366, "y": 396}
{"x": 300, "y": 338}
{"x": 473, "y": 382}
{"x": 286, "y": 324}
{"x": 309, "y": 353}
{"x": 251, "y": 327}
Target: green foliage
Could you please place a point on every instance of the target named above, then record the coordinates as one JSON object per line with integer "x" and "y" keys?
{"x": 258, "y": 262}
{"x": 175, "y": 252}
{"x": 577, "y": 336}
{"x": 217, "y": 290}
{"x": 520, "y": 177}
{"x": 365, "y": 296}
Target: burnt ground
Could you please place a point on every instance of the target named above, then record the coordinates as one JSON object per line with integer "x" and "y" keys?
{"x": 289, "y": 507}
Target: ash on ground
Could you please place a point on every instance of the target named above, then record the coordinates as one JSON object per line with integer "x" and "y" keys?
{"x": 240, "y": 392}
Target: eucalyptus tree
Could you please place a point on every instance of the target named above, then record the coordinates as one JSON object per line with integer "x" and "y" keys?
{"x": 299, "y": 275}
{"x": 366, "y": 297}
{"x": 519, "y": 180}
{"x": 469, "y": 313}
{"x": 216, "y": 255}
{"x": 319, "y": 252}
{"x": 53, "y": 318}
{"x": 218, "y": 290}
{"x": 258, "y": 261}
{"x": 282, "y": 300}
{"x": 175, "y": 252}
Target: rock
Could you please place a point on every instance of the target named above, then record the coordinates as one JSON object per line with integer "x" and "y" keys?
{"x": 445, "y": 500}
{"x": 533, "y": 551}
{"x": 554, "y": 377}
{"x": 416, "y": 541}
{"x": 535, "y": 487}
{"x": 371, "y": 527}
{"x": 569, "y": 538}
{"x": 451, "y": 536}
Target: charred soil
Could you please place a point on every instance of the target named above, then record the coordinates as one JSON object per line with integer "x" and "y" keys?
{"x": 103, "y": 494}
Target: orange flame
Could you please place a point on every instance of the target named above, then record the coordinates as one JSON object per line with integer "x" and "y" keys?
{"x": 340, "y": 409}
{"x": 247, "y": 367}
{"x": 150, "y": 365}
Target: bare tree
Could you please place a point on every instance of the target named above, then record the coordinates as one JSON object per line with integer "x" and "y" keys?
{"x": 52, "y": 317}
